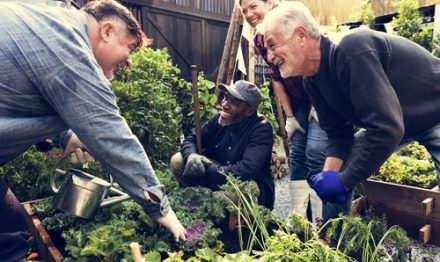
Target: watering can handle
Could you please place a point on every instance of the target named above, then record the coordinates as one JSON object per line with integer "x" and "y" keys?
{"x": 59, "y": 171}
{"x": 116, "y": 199}
{"x": 52, "y": 179}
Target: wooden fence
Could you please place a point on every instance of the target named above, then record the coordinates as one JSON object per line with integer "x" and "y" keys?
{"x": 328, "y": 12}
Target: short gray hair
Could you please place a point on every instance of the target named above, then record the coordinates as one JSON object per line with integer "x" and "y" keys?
{"x": 289, "y": 16}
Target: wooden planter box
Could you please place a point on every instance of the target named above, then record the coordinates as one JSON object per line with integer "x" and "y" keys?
{"x": 415, "y": 209}
{"x": 47, "y": 251}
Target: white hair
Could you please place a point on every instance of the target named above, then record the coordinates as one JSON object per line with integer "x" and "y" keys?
{"x": 289, "y": 15}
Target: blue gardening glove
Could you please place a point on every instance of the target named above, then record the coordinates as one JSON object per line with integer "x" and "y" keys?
{"x": 338, "y": 199}
{"x": 329, "y": 187}
{"x": 195, "y": 165}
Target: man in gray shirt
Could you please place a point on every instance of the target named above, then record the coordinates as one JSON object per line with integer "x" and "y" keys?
{"x": 54, "y": 75}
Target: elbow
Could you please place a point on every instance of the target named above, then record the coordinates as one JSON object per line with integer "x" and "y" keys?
{"x": 398, "y": 131}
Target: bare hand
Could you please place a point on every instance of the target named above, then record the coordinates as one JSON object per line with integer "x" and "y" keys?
{"x": 77, "y": 151}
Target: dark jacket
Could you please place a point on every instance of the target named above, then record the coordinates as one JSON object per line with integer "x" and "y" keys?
{"x": 383, "y": 83}
{"x": 243, "y": 149}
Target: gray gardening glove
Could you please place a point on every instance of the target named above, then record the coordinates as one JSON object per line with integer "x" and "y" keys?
{"x": 195, "y": 165}
{"x": 292, "y": 126}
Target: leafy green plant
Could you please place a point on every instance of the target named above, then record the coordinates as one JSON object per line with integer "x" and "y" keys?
{"x": 207, "y": 103}
{"x": 28, "y": 175}
{"x": 254, "y": 217}
{"x": 146, "y": 97}
{"x": 436, "y": 45}
{"x": 408, "y": 23}
{"x": 365, "y": 237}
{"x": 266, "y": 108}
{"x": 365, "y": 14}
{"x": 411, "y": 165}
{"x": 198, "y": 209}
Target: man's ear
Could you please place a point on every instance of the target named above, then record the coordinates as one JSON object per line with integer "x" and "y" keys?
{"x": 300, "y": 33}
{"x": 250, "y": 110}
{"x": 106, "y": 31}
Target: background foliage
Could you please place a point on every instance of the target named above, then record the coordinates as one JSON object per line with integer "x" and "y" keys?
{"x": 146, "y": 94}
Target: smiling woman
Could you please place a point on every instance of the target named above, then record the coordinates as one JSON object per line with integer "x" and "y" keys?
{"x": 255, "y": 10}
{"x": 308, "y": 140}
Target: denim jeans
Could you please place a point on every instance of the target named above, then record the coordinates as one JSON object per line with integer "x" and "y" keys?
{"x": 307, "y": 151}
{"x": 429, "y": 138}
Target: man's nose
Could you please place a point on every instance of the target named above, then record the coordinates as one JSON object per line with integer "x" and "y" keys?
{"x": 225, "y": 103}
{"x": 129, "y": 62}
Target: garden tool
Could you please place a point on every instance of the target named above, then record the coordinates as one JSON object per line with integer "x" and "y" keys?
{"x": 81, "y": 194}
{"x": 195, "y": 94}
{"x": 299, "y": 197}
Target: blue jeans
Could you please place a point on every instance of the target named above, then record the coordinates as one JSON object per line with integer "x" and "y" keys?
{"x": 430, "y": 139}
{"x": 307, "y": 151}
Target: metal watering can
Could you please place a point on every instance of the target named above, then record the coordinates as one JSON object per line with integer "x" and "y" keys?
{"x": 81, "y": 194}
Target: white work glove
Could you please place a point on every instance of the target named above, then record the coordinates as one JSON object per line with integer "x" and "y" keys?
{"x": 292, "y": 126}
{"x": 195, "y": 165}
{"x": 313, "y": 114}
{"x": 172, "y": 223}
{"x": 77, "y": 151}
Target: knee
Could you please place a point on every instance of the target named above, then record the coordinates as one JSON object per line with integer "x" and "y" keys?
{"x": 177, "y": 165}
{"x": 13, "y": 216}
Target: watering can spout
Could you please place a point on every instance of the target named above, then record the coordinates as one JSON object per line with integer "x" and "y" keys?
{"x": 114, "y": 200}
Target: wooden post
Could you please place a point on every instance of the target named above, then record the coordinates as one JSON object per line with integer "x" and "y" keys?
{"x": 428, "y": 205}
{"x": 234, "y": 48}
{"x": 281, "y": 123}
{"x": 195, "y": 94}
{"x": 228, "y": 49}
{"x": 136, "y": 252}
{"x": 251, "y": 70}
{"x": 425, "y": 234}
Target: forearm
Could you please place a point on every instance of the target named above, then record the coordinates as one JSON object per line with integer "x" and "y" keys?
{"x": 88, "y": 107}
{"x": 333, "y": 163}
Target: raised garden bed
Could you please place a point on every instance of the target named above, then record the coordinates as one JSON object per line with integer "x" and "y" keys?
{"x": 47, "y": 250}
{"x": 415, "y": 209}
{"x": 52, "y": 250}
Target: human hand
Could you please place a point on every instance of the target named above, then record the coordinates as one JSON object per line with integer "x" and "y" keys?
{"x": 313, "y": 114}
{"x": 77, "y": 151}
{"x": 329, "y": 187}
{"x": 172, "y": 223}
{"x": 338, "y": 199}
{"x": 292, "y": 126}
{"x": 195, "y": 165}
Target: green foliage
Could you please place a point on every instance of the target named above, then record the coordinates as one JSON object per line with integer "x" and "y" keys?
{"x": 266, "y": 108}
{"x": 207, "y": 103}
{"x": 207, "y": 98}
{"x": 436, "y": 45}
{"x": 107, "y": 238}
{"x": 28, "y": 175}
{"x": 409, "y": 24}
{"x": 195, "y": 207}
{"x": 288, "y": 247}
{"x": 411, "y": 165}
{"x": 365, "y": 14}
{"x": 366, "y": 238}
{"x": 146, "y": 97}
